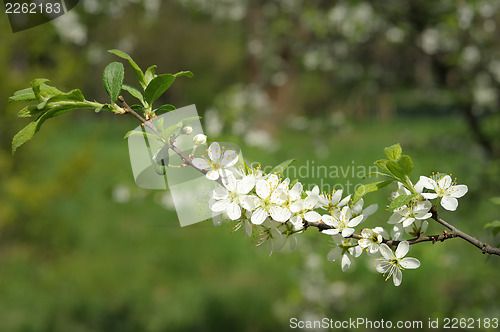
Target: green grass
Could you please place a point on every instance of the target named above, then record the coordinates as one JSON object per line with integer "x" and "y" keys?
{"x": 72, "y": 259}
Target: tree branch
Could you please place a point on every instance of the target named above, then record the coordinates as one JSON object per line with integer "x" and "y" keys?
{"x": 186, "y": 159}
{"x": 486, "y": 248}
{"x": 455, "y": 233}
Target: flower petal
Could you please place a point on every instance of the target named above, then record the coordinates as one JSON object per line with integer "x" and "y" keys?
{"x": 280, "y": 214}
{"x": 459, "y": 190}
{"x": 445, "y": 182}
{"x": 214, "y": 152}
{"x": 212, "y": 175}
{"x": 220, "y": 205}
{"x": 233, "y": 211}
{"x": 410, "y": 263}
{"x": 297, "y": 206}
{"x": 219, "y": 193}
{"x": 429, "y": 195}
{"x": 402, "y": 249}
{"x": 258, "y": 216}
{"x": 263, "y": 189}
{"x": 201, "y": 163}
{"x": 312, "y": 216}
{"x": 397, "y": 277}
{"x": 334, "y": 254}
{"x": 408, "y": 221}
{"x": 230, "y": 158}
{"x": 248, "y": 202}
{"x": 346, "y": 262}
{"x": 332, "y": 231}
{"x": 355, "y": 221}
{"x": 386, "y": 251}
{"x": 347, "y": 232}
{"x": 245, "y": 185}
{"x": 449, "y": 203}
{"x": 229, "y": 181}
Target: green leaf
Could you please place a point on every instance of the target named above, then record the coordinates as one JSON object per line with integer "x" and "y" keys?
{"x": 495, "y": 200}
{"x": 137, "y": 70}
{"x": 184, "y": 73}
{"x": 368, "y": 188}
{"x": 165, "y": 108}
{"x": 134, "y": 92}
{"x": 150, "y": 74}
{"x": 29, "y": 111}
{"x": 395, "y": 169}
{"x": 43, "y": 91}
{"x": 400, "y": 201}
{"x": 281, "y": 167}
{"x": 406, "y": 164}
{"x": 104, "y": 107}
{"x": 393, "y": 152}
{"x": 24, "y": 95}
{"x": 24, "y": 135}
{"x": 157, "y": 87}
{"x": 113, "y": 80}
{"x": 159, "y": 124}
{"x": 140, "y": 133}
{"x": 494, "y": 225}
{"x": 382, "y": 163}
{"x": 27, "y": 132}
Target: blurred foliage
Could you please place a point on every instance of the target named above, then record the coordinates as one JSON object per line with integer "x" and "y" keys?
{"x": 325, "y": 82}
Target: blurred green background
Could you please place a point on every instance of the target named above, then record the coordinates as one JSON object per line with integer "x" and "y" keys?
{"x": 330, "y": 82}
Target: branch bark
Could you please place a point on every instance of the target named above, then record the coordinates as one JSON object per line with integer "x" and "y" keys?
{"x": 455, "y": 233}
{"x": 186, "y": 159}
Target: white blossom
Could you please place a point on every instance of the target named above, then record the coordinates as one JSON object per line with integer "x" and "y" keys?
{"x": 344, "y": 250}
{"x": 342, "y": 221}
{"x": 391, "y": 264}
{"x": 217, "y": 163}
{"x": 446, "y": 189}
{"x": 233, "y": 195}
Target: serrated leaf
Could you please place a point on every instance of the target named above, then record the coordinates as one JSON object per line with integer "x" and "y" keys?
{"x": 184, "y": 73}
{"x": 396, "y": 170}
{"x": 406, "y": 164}
{"x": 494, "y": 225}
{"x": 113, "y": 80}
{"x": 495, "y": 200}
{"x": 368, "y": 188}
{"x": 281, "y": 167}
{"x": 35, "y": 86}
{"x": 157, "y": 87}
{"x": 24, "y": 95}
{"x": 165, "y": 108}
{"x": 134, "y": 92}
{"x": 393, "y": 152}
{"x": 29, "y": 111}
{"x": 382, "y": 164}
{"x": 23, "y": 136}
{"x": 27, "y": 132}
{"x": 150, "y": 74}
{"x": 137, "y": 70}
{"x": 400, "y": 201}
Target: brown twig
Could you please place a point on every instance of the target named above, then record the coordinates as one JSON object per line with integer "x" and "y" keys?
{"x": 486, "y": 248}
{"x": 186, "y": 159}
{"x": 455, "y": 233}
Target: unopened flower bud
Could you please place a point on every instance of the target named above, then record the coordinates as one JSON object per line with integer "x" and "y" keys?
{"x": 186, "y": 130}
{"x": 199, "y": 139}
